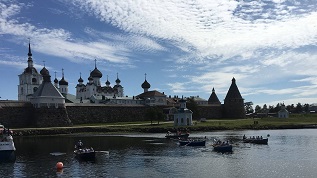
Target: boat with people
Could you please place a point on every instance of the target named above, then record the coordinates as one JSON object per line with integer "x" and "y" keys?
{"x": 83, "y": 153}
{"x": 190, "y": 142}
{"x": 177, "y": 135}
{"x": 7, "y": 147}
{"x": 255, "y": 140}
{"x": 222, "y": 147}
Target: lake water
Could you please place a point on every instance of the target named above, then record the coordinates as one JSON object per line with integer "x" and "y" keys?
{"x": 289, "y": 153}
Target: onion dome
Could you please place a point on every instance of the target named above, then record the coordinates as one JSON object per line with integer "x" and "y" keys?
{"x": 118, "y": 80}
{"x": 63, "y": 81}
{"x": 55, "y": 80}
{"x": 90, "y": 78}
{"x": 44, "y": 72}
{"x": 145, "y": 84}
{"x": 80, "y": 80}
{"x": 107, "y": 82}
{"x": 96, "y": 73}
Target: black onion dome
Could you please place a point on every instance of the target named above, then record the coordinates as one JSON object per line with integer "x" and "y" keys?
{"x": 107, "y": 82}
{"x": 80, "y": 80}
{"x": 90, "y": 78}
{"x": 118, "y": 80}
{"x": 96, "y": 73}
{"x": 55, "y": 80}
{"x": 63, "y": 82}
{"x": 145, "y": 84}
{"x": 44, "y": 72}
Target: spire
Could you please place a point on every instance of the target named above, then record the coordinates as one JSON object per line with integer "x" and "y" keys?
{"x": 118, "y": 80}
{"x": 30, "y": 53}
{"x": 95, "y": 63}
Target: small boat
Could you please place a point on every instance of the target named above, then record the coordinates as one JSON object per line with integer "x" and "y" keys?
{"x": 256, "y": 140}
{"x": 176, "y": 136}
{"x": 192, "y": 142}
{"x": 222, "y": 147}
{"x": 7, "y": 148}
{"x": 85, "y": 154}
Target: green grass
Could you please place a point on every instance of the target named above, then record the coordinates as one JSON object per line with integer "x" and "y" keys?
{"x": 219, "y": 124}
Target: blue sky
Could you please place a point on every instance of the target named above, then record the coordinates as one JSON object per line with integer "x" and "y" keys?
{"x": 184, "y": 47}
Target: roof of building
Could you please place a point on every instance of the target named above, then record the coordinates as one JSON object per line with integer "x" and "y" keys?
{"x": 213, "y": 99}
{"x": 233, "y": 92}
{"x": 47, "y": 89}
{"x": 151, "y": 94}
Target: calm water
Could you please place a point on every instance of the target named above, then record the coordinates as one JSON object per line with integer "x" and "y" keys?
{"x": 290, "y": 153}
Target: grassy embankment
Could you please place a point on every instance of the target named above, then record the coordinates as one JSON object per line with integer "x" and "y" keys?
{"x": 295, "y": 121}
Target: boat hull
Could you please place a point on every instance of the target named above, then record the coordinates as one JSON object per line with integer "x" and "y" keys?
{"x": 192, "y": 143}
{"x": 7, "y": 156}
{"x": 263, "y": 141}
{"x": 85, "y": 156}
{"x": 223, "y": 148}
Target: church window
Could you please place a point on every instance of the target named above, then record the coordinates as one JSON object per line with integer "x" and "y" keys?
{"x": 34, "y": 89}
{"x": 22, "y": 90}
{"x": 34, "y": 80}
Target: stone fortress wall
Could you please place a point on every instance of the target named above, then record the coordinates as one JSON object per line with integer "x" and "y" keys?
{"x": 14, "y": 114}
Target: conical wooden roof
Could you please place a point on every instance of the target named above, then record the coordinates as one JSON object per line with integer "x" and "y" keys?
{"x": 233, "y": 92}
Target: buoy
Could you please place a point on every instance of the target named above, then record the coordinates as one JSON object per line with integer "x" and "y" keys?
{"x": 59, "y": 165}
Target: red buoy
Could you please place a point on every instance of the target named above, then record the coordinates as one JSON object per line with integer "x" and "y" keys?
{"x": 59, "y": 165}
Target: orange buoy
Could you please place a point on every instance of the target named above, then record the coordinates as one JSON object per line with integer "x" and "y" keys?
{"x": 59, "y": 165}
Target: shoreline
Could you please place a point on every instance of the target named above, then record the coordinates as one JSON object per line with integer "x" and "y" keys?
{"x": 157, "y": 129}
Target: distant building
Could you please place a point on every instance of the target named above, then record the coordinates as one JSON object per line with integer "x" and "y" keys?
{"x": 29, "y": 80}
{"x": 37, "y": 88}
{"x": 47, "y": 95}
{"x": 283, "y": 113}
{"x": 233, "y": 103}
{"x": 183, "y": 116}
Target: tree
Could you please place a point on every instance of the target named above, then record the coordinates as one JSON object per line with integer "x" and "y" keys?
{"x": 192, "y": 105}
{"x": 248, "y": 107}
{"x": 299, "y": 108}
{"x": 154, "y": 113}
{"x": 257, "y": 108}
{"x": 150, "y": 114}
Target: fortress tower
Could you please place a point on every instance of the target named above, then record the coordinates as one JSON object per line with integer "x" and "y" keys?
{"x": 234, "y": 103}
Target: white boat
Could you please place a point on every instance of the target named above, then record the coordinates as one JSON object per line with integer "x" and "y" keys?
{"x": 7, "y": 148}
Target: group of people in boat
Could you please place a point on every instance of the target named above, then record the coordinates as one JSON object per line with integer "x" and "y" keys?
{"x": 219, "y": 142}
{"x": 178, "y": 132}
{"x": 253, "y": 138}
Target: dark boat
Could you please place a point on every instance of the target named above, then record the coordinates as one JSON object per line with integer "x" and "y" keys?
{"x": 263, "y": 141}
{"x": 222, "y": 148}
{"x": 255, "y": 140}
{"x": 176, "y": 136}
{"x": 192, "y": 142}
{"x": 85, "y": 154}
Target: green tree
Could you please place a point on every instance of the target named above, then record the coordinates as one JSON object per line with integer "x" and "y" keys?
{"x": 257, "y": 108}
{"x": 150, "y": 114}
{"x": 248, "y": 107}
{"x": 299, "y": 108}
{"x": 193, "y": 106}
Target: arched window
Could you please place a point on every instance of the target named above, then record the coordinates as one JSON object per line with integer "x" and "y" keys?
{"x": 34, "y": 80}
{"x": 21, "y": 90}
{"x": 34, "y": 89}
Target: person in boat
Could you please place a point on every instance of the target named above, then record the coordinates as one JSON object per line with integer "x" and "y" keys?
{"x": 244, "y": 137}
{"x": 261, "y": 137}
{"x": 79, "y": 145}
